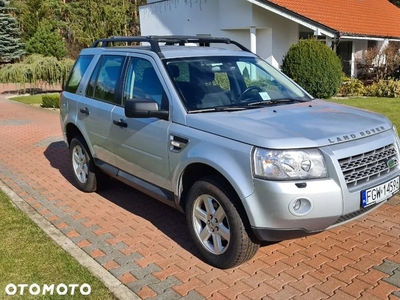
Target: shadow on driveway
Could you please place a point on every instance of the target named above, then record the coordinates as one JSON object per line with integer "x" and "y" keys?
{"x": 168, "y": 220}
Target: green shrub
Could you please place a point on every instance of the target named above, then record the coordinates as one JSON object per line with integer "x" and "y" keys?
{"x": 351, "y": 87}
{"x": 315, "y": 67}
{"x": 51, "y": 101}
{"x": 36, "y": 69}
{"x": 384, "y": 88}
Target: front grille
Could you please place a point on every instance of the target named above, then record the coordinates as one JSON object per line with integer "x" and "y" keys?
{"x": 366, "y": 166}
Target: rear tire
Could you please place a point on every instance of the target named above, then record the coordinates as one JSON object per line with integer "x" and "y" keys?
{"x": 87, "y": 177}
{"x": 216, "y": 226}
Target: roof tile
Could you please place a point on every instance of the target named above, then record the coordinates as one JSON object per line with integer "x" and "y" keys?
{"x": 378, "y": 18}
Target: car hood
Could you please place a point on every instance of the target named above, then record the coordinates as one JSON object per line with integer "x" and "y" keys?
{"x": 301, "y": 125}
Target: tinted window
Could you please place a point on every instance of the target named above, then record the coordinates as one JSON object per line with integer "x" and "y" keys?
{"x": 93, "y": 79}
{"x": 78, "y": 70}
{"x": 142, "y": 82}
{"x": 104, "y": 79}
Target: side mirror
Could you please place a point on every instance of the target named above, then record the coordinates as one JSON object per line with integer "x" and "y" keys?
{"x": 144, "y": 108}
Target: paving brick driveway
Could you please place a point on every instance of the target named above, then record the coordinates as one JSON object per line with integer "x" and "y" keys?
{"x": 146, "y": 244}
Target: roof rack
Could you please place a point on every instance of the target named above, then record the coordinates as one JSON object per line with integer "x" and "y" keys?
{"x": 154, "y": 41}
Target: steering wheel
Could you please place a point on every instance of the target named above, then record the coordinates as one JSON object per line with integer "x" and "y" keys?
{"x": 243, "y": 95}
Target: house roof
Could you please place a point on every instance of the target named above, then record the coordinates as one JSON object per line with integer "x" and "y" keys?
{"x": 372, "y": 18}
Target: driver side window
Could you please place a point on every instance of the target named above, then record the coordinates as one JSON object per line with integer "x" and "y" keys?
{"x": 142, "y": 81}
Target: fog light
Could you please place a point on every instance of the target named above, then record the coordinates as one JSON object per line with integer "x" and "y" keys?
{"x": 300, "y": 206}
{"x": 297, "y": 205}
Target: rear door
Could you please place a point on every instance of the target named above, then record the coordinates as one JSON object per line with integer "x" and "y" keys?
{"x": 94, "y": 110}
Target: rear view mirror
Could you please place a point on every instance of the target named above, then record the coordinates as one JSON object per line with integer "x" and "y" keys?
{"x": 144, "y": 108}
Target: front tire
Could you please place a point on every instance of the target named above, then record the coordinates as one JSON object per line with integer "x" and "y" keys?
{"x": 83, "y": 168}
{"x": 216, "y": 225}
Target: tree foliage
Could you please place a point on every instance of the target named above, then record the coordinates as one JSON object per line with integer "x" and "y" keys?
{"x": 395, "y": 2}
{"x": 46, "y": 41}
{"x": 80, "y": 22}
{"x": 379, "y": 63}
{"x": 10, "y": 46}
{"x": 315, "y": 67}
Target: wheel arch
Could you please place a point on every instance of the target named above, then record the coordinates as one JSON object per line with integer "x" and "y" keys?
{"x": 194, "y": 172}
{"x": 71, "y": 131}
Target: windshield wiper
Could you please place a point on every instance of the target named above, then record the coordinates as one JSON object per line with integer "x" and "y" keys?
{"x": 275, "y": 101}
{"x": 219, "y": 109}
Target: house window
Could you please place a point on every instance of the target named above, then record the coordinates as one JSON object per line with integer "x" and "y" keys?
{"x": 372, "y": 44}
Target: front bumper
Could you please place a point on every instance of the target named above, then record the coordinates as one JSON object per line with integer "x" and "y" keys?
{"x": 280, "y": 210}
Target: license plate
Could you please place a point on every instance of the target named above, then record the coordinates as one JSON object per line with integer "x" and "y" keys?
{"x": 380, "y": 193}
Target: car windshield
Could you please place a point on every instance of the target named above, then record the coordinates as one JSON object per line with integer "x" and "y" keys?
{"x": 229, "y": 82}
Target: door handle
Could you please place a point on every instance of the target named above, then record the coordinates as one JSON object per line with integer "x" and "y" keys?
{"x": 84, "y": 111}
{"x": 120, "y": 123}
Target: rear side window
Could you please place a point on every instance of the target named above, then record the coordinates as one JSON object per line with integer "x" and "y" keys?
{"x": 77, "y": 73}
{"x": 104, "y": 79}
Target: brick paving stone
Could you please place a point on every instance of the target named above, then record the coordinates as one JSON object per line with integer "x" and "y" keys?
{"x": 324, "y": 272}
{"x": 276, "y": 269}
{"x": 330, "y": 286}
{"x": 262, "y": 290}
{"x": 111, "y": 265}
{"x": 185, "y": 288}
{"x": 372, "y": 277}
{"x": 287, "y": 292}
{"x": 210, "y": 288}
{"x": 234, "y": 277}
{"x": 165, "y": 272}
{"x": 127, "y": 278}
{"x": 356, "y": 288}
{"x": 146, "y": 292}
{"x": 281, "y": 280}
{"x": 313, "y": 293}
{"x": 394, "y": 279}
{"x": 339, "y": 295}
{"x": 387, "y": 267}
{"x": 340, "y": 263}
{"x": 235, "y": 290}
{"x": 347, "y": 275}
{"x": 255, "y": 280}
{"x": 363, "y": 264}
{"x": 317, "y": 261}
{"x": 383, "y": 290}
{"x": 305, "y": 283}
{"x": 209, "y": 277}
{"x": 295, "y": 259}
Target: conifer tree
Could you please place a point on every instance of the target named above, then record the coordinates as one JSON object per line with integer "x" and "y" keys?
{"x": 395, "y": 2}
{"x": 11, "y": 48}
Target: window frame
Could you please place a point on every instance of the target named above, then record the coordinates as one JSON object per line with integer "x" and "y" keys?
{"x": 117, "y": 99}
{"x": 65, "y": 88}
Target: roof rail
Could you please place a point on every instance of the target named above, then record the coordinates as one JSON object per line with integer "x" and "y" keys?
{"x": 154, "y": 41}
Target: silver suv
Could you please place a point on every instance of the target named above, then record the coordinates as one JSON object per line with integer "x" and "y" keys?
{"x": 224, "y": 137}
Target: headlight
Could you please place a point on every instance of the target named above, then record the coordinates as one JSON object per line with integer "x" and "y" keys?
{"x": 289, "y": 164}
{"x": 395, "y": 130}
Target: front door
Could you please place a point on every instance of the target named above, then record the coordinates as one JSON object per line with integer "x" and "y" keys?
{"x": 142, "y": 144}
{"x": 345, "y": 50}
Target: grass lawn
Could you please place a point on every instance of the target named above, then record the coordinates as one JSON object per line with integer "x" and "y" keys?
{"x": 32, "y": 99}
{"x": 28, "y": 256}
{"x": 389, "y": 107}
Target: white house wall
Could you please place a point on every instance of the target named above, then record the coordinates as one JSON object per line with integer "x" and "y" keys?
{"x": 227, "y": 18}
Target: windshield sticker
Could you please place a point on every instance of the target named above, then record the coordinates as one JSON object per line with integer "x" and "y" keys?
{"x": 265, "y": 96}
